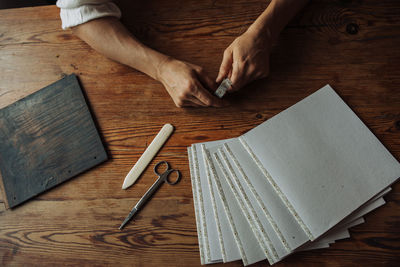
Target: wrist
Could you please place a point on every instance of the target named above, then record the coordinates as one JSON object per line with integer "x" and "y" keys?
{"x": 152, "y": 63}
{"x": 161, "y": 67}
{"x": 267, "y": 24}
{"x": 263, "y": 31}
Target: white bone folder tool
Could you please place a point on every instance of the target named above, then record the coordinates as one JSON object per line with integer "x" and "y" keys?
{"x": 148, "y": 155}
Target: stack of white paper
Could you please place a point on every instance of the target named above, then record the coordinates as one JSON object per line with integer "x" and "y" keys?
{"x": 296, "y": 182}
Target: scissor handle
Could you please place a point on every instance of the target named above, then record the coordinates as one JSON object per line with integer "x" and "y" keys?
{"x": 178, "y": 176}
{"x": 165, "y": 175}
{"x": 157, "y": 167}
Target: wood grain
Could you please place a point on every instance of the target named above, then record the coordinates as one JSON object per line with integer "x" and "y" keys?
{"x": 352, "y": 45}
{"x": 45, "y": 139}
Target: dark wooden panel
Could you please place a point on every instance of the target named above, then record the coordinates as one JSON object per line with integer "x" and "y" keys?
{"x": 45, "y": 139}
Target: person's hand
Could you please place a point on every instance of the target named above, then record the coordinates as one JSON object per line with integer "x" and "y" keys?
{"x": 187, "y": 84}
{"x": 246, "y": 59}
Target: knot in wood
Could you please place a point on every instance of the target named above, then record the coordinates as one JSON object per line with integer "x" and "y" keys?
{"x": 352, "y": 28}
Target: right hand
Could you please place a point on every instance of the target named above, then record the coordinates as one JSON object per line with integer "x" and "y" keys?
{"x": 187, "y": 84}
{"x": 246, "y": 59}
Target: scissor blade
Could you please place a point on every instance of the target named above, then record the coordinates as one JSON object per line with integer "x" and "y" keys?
{"x": 128, "y": 218}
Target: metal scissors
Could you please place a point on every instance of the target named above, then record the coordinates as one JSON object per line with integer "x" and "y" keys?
{"x": 162, "y": 177}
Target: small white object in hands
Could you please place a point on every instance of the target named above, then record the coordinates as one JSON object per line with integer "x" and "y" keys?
{"x": 225, "y": 84}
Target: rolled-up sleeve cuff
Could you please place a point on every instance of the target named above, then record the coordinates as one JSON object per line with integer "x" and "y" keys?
{"x": 71, "y": 17}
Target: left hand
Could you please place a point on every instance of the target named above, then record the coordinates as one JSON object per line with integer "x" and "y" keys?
{"x": 246, "y": 59}
{"x": 187, "y": 84}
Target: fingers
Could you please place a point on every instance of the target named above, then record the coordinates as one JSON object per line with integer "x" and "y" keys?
{"x": 192, "y": 103}
{"x": 201, "y": 98}
{"x": 226, "y": 65}
{"x": 188, "y": 85}
{"x": 244, "y": 72}
{"x": 205, "y": 79}
{"x": 205, "y": 96}
{"x": 196, "y": 102}
{"x": 245, "y": 60}
{"x": 239, "y": 71}
{"x": 233, "y": 67}
{"x": 235, "y": 73}
{"x": 194, "y": 94}
{"x": 189, "y": 102}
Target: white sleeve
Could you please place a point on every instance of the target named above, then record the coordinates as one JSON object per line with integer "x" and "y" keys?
{"x": 75, "y": 12}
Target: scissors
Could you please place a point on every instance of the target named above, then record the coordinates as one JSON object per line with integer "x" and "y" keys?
{"x": 162, "y": 177}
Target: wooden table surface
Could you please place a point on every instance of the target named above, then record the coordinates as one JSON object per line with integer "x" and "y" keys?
{"x": 352, "y": 45}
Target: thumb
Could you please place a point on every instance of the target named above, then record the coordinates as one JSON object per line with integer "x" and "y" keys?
{"x": 226, "y": 65}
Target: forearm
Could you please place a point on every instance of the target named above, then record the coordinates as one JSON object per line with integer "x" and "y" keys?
{"x": 109, "y": 37}
{"x": 276, "y": 16}
{"x": 247, "y": 58}
{"x": 184, "y": 82}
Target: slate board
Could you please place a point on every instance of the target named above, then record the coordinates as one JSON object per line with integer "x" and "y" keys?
{"x": 45, "y": 139}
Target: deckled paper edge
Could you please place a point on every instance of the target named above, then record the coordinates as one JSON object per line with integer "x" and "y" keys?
{"x": 201, "y": 206}
{"x": 257, "y": 196}
{"x": 221, "y": 242}
{"x": 277, "y": 190}
{"x": 196, "y": 206}
{"x": 262, "y": 237}
{"x": 225, "y": 205}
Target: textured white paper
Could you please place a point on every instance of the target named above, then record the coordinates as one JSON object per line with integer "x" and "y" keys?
{"x": 334, "y": 235}
{"x": 338, "y": 232}
{"x": 264, "y": 233}
{"x": 248, "y": 244}
{"x": 290, "y": 231}
{"x": 262, "y": 224}
{"x": 196, "y": 204}
{"x": 280, "y": 215}
{"x": 224, "y": 236}
{"x": 211, "y": 247}
{"x": 308, "y": 173}
{"x": 323, "y": 158}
